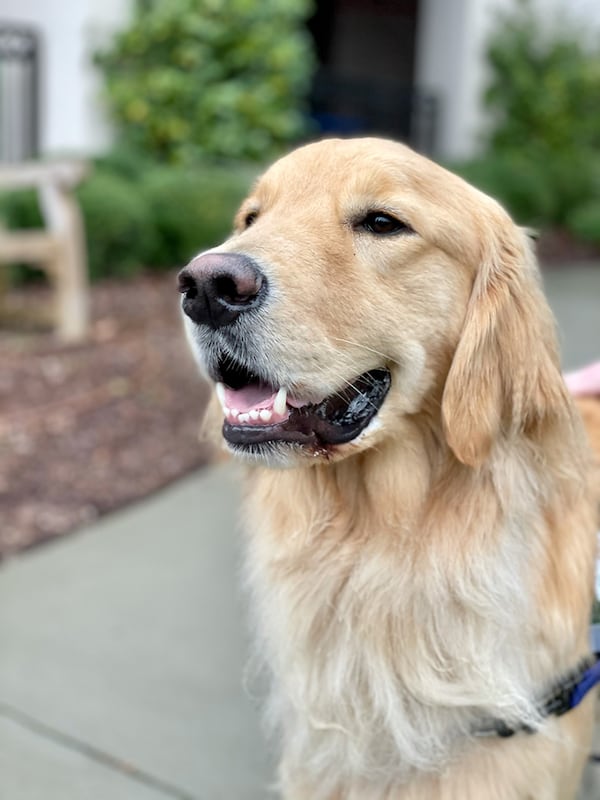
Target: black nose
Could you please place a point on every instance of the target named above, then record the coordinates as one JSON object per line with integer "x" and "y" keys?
{"x": 218, "y": 287}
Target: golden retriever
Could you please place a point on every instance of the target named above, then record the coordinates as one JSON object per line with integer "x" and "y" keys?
{"x": 421, "y": 530}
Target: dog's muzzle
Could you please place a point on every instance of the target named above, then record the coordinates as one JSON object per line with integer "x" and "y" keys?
{"x": 219, "y": 287}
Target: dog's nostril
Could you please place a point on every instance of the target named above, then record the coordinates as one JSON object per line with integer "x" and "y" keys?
{"x": 227, "y": 289}
{"x": 186, "y": 284}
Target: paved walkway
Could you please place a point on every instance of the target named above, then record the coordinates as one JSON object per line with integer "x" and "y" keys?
{"x": 122, "y": 653}
{"x": 122, "y": 647}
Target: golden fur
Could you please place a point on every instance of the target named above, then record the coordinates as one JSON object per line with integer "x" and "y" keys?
{"x": 437, "y": 570}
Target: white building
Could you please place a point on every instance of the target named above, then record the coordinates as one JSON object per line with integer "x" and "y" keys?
{"x": 72, "y": 119}
{"x": 434, "y": 45}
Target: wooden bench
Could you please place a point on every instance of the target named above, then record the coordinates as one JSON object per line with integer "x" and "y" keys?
{"x": 59, "y": 249}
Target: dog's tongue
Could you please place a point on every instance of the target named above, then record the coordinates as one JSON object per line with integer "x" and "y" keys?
{"x": 257, "y": 396}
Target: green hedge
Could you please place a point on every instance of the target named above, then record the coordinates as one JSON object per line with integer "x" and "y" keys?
{"x": 191, "y": 210}
{"x": 544, "y": 192}
{"x": 542, "y": 152}
{"x": 138, "y": 215}
{"x": 227, "y": 78}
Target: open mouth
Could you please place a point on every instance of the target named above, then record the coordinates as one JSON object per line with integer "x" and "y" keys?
{"x": 257, "y": 412}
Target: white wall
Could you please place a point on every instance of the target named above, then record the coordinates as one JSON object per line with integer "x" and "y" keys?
{"x": 72, "y": 118}
{"x": 452, "y": 40}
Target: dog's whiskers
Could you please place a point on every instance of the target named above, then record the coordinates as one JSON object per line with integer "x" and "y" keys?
{"x": 369, "y": 349}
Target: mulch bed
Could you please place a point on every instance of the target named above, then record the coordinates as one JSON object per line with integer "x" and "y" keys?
{"x": 85, "y": 429}
{"x": 557, "y": 247}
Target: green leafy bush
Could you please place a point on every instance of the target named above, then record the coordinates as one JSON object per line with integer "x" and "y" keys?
{"x": 192, "y": 209}
{"x": 516, "y": 181}
{"x": 544, "y": 85}
{"x": 20, "y": 209}
{"x": 537, "y": 191}
{"x": 118, "y": 225}
{"x": 542, "y": 153}
{"x": 584, "y": 221}
{"x": 210, "y": 77}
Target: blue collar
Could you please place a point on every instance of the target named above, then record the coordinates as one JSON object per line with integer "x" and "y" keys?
{"x": 564, "y": 695}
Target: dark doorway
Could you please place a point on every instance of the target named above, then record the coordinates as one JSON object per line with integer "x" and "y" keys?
{"x": 365, "y": 80}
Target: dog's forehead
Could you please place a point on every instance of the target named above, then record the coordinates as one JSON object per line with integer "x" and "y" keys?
{"x": 338, "y": 179}
{"x": 333, "y": 165}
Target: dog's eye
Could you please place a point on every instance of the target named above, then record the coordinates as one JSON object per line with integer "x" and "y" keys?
{"x": 382, "y": 224}
{"x": 250, "y": 218}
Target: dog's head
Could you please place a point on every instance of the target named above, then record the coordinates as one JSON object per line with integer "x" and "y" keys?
{"x": 364, "y": 285}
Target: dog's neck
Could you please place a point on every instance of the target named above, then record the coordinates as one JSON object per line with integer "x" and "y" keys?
{"x": 415, "y": 571}
{"x": 387, "y": 488}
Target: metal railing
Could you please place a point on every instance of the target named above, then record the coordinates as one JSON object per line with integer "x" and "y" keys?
{"x": 19, "y": 93}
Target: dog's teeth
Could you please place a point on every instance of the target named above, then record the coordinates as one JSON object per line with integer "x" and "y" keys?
{"x": 233, "y": 412}
{"x": 220, "y": 389}
{"x": 243, "y": 417}
{"x": 254, "y": 414}
{"x": 226, "y": 411}
{"x": 266, "y": 415}
{"x": 280, "y": 401}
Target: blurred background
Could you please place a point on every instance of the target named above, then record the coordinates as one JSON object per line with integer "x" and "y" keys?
{"x": 129, "y": 132}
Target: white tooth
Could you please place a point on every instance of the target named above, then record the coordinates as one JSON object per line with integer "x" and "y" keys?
{"x": 220, "y": 389}
{"x": 234, "y": 413}
{"x": 266, "y": 415}
{"x": 254, "y": 414}
{"x": 243, "y": 417}
{"x": 226, "y": 411}
{"x": 280, "y": 401}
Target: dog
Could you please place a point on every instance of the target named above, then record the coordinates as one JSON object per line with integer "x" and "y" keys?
{"x": 421, "y": 531}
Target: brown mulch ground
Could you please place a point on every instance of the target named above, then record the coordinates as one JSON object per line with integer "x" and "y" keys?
{"x": 85, "y": 429}
{"x": 557, "y": 247}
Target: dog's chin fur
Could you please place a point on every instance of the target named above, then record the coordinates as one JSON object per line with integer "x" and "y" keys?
{"x": 437, "y": 571}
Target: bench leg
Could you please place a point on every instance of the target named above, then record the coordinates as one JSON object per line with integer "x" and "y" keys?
{"x": 69, "y": 269}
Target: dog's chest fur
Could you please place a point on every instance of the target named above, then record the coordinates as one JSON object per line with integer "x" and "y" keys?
{"x": 387, "y": 638}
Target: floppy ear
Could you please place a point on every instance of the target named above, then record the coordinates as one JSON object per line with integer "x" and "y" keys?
{"x": 505, "y": 375}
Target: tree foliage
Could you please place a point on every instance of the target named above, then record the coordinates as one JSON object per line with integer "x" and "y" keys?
{"x": 545, "y": 85}
{"x": 542, "y": 151}
{"x": 218, "y": 77}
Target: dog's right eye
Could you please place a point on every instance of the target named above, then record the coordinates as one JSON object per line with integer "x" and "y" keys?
{"x": 250, "y": 218}
{"x": 382, "y": 224}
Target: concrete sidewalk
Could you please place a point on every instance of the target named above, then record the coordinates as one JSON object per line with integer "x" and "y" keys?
{"x": 122, "y": 656}
{"x": 122, "y": 647}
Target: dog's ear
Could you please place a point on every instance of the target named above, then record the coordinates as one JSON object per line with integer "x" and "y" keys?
{"x": 505, "y": 375}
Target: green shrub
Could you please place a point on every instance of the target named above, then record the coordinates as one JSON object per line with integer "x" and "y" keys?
{"x": 192, "y": 209}
{"x": 536, "y": 191}
{"x": 118, "y": 225}
{"x": 210, "y": 77}
{"x": 544, "y": 86}
{"x": 124, "y": 160}
{"x": 20, "y": 209}
{"x": 518, "y": 183}
{"x": 584, "y": 221}
{"x": 542, "y": 153}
